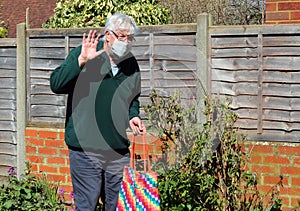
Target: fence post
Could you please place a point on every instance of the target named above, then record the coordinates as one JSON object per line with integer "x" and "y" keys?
{"x": 21, "y": 96}
{"x": 203, "y": 70}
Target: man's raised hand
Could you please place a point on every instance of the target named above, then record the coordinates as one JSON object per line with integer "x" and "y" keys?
{"x": 89, "y": 47}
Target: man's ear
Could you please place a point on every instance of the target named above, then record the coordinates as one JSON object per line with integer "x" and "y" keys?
{"x": 107, "y": 35}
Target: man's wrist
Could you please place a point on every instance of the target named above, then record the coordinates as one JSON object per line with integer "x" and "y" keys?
{"x": 81, "y": 61}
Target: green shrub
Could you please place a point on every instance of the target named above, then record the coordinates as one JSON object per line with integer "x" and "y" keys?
{"x": 30, "y": 193}
{"x": 84, "y": 13}
{"x": 209, "y": 170}
{"x": 3, "y": 30}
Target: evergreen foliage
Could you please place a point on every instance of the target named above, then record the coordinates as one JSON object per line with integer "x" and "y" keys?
{"x": 86, "y": 13}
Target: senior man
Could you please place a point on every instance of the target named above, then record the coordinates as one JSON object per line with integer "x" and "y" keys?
{"x": 102, "y": 80}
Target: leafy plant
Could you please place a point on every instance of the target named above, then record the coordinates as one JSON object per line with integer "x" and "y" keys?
{"x": 209, "y": 172}
{"x": 3, "y": 30}
{"x": 84, "y": 13}
{"x": 30, "y": 193}
{"x": 174, "y": 124}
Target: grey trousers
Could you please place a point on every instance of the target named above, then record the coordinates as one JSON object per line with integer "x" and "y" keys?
{"x": 96, "y": 174}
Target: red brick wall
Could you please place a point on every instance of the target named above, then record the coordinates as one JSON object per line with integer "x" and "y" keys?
{"x": 13, "y": 12}
{"x": 47, "y": 152}
{"x": 270, "y": 160}
{"x": 282, "y": 11}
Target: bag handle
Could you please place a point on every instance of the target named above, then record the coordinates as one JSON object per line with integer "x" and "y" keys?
{"x": 145, "y": 150}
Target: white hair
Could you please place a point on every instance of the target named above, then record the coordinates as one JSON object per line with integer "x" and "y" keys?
{"x": 120, "y": 21}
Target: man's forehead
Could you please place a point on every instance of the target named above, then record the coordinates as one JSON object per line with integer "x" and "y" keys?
{"x": 123, "y": 27}
{"x": 124, "y": 31}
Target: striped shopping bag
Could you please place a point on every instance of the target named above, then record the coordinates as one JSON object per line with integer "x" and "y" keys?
{"x": 139, "y": 191}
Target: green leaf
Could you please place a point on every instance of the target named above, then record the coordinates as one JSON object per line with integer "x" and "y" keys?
{"x": 8, "y": 204}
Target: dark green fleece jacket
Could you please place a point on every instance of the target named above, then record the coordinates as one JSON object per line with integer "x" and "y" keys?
{"x": 99, "y": 104}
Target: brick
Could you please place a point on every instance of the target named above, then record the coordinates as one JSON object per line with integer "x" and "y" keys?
{"x": 31, "y": 132}
{"x": 36, "y": 142}
{"x": 290, "y": 191}
{"x": 48, "y": 134}
{"x": 56, "y": 160}
{"x": 34, "y": 167}
{"x": 296, "y": 181}
{"x": 276, "y": 159}
{"x": 64, "y": 170}
{"x": 265, "y": 188}
{"x": 263, "y": 169}
{"x": 31, "y": 149}
{"x": 295, "y": 201}
{"x": 48, "y": 151}
{"x": 62, "y": 135}
{"x": 288, "y": 170}
{"x": 271, "y": 16}
{"x": 271, "y": 7}
{"x": 297, "y": 161}
{"x": 273, "y": 180}
{"x": 262, "y": 149}
{"x": 295, "y": 15}
{"x": 64, "y": 152}
{"x": 289, "y": 150}
{"x": 55, "y": 143}
{"x": 56, "y": 178}
{"x": 35, "y": 159}
{"x": 289, "y": 6}
{"x": 69, "y": 180}
{"x": 256, "y": 159}
{"x": 48, "y": 169}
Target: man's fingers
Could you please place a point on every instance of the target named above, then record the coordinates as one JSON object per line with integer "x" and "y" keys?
{"x": 94, "y": 33}
{"x": 98, "y": 37}
{"x": 90, "y": 35}
{"x": 84, "y": 38}
{"x": 134, "y": 128}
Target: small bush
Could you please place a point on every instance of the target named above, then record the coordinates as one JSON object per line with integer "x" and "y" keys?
{"x": 81, "y": 13}
{"x": 209, "y": 169}
{"x": 30, "y": 193}
{"x": 3, "y": 30}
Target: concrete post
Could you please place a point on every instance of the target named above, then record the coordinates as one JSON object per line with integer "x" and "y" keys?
{"x": 21, "y": 97}
{"x": 203, "y": 70}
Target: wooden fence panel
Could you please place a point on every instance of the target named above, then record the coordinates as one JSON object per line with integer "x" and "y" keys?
{"x": 257, "y": 67}
{"x": 8, "y": 142}
{"x": 281, "y": 83}
{"x": 167, "y": 60}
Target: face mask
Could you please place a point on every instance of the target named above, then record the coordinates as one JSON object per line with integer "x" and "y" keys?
{"x": 120, "y": 48}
